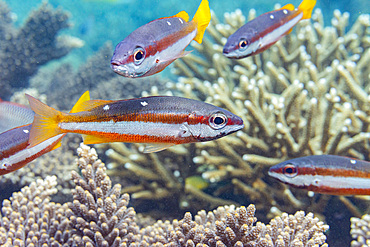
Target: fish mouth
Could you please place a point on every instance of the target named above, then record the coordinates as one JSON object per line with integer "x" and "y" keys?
{"x": 121, "y": 70}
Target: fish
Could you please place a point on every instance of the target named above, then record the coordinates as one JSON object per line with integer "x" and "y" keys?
{"x": 265, "y": 30}
{"x": 325, "y": 174}
{"x": 152, "y": 47}
{"x": 15, "y": 151}
{"x": 13, "y": 115}
{"x": 157, "y": 121}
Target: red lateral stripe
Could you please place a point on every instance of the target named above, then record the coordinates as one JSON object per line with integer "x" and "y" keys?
{"x": 14, "y": 149}
{"x": 337, "y": 191}
{"x": 169, "y": 40}
{"x": 335, "y": 172}
{"x": 271, "y": 28}
{"x": 168, "y": 118}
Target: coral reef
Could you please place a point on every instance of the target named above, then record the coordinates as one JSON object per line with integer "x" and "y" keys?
{"x": 308, "y": 94}
{"x": 360, "y": 231}
{"x": 23, "y": 50}
{"x": 99, "y": 216}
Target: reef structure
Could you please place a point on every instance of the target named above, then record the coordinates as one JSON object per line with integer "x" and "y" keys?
{"x": 23, "y": 50}
{"x": 99, "y": 216}
{"x": 306, "y": 95}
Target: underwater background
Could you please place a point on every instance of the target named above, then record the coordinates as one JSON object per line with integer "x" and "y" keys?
{"x": 56, "y": 50}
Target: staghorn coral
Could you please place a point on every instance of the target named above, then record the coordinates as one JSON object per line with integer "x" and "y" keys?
{"x": 230, "y": 226}
{"x": 99, "y": 212}
{"x": 98, "y": 216}
{"x": 360, "y": 231}
{"x": 24, "y": 50}
{"x": 30, "y": 219}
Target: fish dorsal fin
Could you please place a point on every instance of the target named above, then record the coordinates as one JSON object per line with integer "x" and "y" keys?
{"x": 202, "y": 17}
{"x": 289, "y": 6}
{"x": 183, "y": 15}
{"x": 306, "y": 7}
{"x": 79, "y": 104}
{"x": 88, "y": 105}
{"x": 90, "y": 139}
{"x": 156, "y": 147}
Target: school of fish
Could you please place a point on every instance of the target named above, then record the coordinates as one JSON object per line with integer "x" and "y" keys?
{"x": 163, "y": 121}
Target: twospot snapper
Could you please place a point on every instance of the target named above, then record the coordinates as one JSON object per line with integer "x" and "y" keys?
{"x": 159, "y": 121}
{"x": 152, "y": 47}
{"x": 327, "y": 174}
{"x": 15, "y": 152}
{"x": 265, "y": 30}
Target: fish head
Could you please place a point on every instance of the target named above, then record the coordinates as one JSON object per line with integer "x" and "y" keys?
{"x": 214, "y": 125}
{"x": 295, "y": 172}
{"x": 132, "y": 56}
{"x": 240, "y": 44}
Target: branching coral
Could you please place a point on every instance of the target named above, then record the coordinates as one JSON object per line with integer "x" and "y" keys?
{"x": 99, "y": 212}
{"x": 360, "y": 229}
{"x": 98, "y": 216}
{"x": 24, "y": 50}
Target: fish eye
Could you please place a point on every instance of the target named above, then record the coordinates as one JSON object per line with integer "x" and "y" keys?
{"x": 290, "y": 170}
{"x": 218, "y": 121}
{"x": 243, "y": 43}
{"x": 139, "y": 55}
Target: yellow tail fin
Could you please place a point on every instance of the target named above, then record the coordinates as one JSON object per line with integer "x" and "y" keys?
{"x": 46, "y": 120}
{"x": 202, "y": 17}
{"x": 307, "y": 6}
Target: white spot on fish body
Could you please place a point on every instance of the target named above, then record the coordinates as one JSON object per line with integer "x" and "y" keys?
{"x": 144, "y": 103}
{"x": 272, "y": 16}
{"x": 106, "y": 108}
{"x": 181, "y": 21}
{"x": 26, "y": 131}
{"x": 169, "y": 23}
{"x": 285, "y": 11}
{"x": 353, "y": 162}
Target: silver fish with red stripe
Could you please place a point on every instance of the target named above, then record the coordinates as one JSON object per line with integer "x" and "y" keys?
{"x": 158, "y": 121}
{"x": 15, "y": 151}
{"x": 153, "y": 46}
{"x": 265, "y": 30}
{"x": 327, "y": 174}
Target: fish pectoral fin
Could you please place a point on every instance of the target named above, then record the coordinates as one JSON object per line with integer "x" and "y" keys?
{"x": 181, "y": 54}
{"x": 90, "y": 139}
{"x": 156, "y": 147}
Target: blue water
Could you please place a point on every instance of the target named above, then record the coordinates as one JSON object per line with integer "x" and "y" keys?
{"x": 96, "y": 21}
